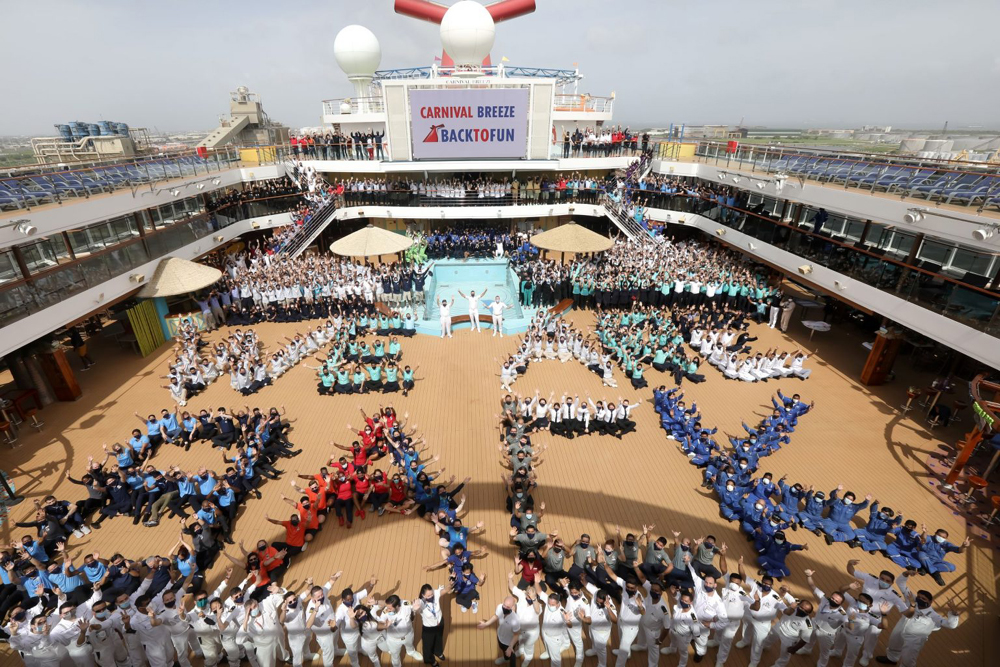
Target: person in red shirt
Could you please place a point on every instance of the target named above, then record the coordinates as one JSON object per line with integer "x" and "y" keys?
{"x": 340, "y": 467}
{"x": 398, "y": 498}
{"x": 528, "y": 567}
{"x": 343, "y": 502}
{"x": 378, "y": 492}
{"x": 362, "y": 484}
{"x": 296, "y": 537}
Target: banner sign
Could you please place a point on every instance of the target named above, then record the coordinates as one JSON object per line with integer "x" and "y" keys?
{"x": 466, "y": 124}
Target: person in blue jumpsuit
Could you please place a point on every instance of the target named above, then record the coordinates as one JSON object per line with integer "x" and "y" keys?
{"x": 789, "y": 500}
{"x": 772, "y": 555}
{"x": 730, "y": 499}
{"x": 871, "y": 538}
{"x": 811, "y": 516}
{"x": 837, "y": 524}
{"x": 905, "y": 544}
{"x": 933, "y": 552}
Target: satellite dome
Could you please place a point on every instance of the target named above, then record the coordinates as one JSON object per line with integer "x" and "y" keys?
{"x": 357, "y": 51}
{"x": 467, "y": 32}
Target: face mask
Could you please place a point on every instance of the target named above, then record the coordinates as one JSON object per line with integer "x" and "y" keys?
{"x": 255, "y": 613}
{"x": 819, "y": 496}
{"x": 922, "y": 604}
{"x": 292, "y": 603}
{"x": 800, "y": 613}
{"x": 125, "y": 605}
{"x": 939, "y": 539}
{"x": 862, "y": 606}
{"x": 506, "y": 612}
{"x": 733, "y": 586}
{"x": 170, "y": 604}
{"x": 685, "y": 605}
{"x": 767, "y": 482}
{"x": 201, "y": 604}
{"x": 743, "y": 466}
{"x": 685, "y": 547}
{"x": 778, "y": 540}
{"x": 238, "y": 599}
{"x": 884, "y": 584}
{"x": 765, "y": 588}
{"x": 709, "y": 587}
{"x": 759, "y": 508}
{"x": 730, "y": 487}
{"x": 848, "y": 501}
{"x": 101, "y": 615}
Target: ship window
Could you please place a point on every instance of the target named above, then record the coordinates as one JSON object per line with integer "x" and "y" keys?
{"x": 8, "y": 267}
{"x": 931, "y": 251}
{"x": 44, "y": 254}
{"x": 972, "y": 262}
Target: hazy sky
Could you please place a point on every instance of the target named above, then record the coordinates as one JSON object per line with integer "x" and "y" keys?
{"x": 802, "y": 63}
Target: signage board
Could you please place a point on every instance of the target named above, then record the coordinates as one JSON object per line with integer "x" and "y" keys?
{"x": 469, "y": 124}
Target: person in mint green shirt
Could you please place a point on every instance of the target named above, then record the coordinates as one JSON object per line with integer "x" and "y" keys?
{"x": 391, "y": 378}
{"x": 638, "y": 382}
{"x": 326, "y": 381}
{"x": 396, "y": 324}
{"x": 358, "y": 380}
{"x": 660, "y": 359}
{"x": 395, "y": 349}
{"x": 343, "y": 385}
{"x": 408, "y": 378}
{"x": 374, "y": 376}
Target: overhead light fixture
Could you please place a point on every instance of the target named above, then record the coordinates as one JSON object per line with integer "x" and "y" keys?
{"x": 723, "y": 174}
{"x": 914, "y": 215}
{"x": 220, "y": 238}
{"x": 720, "y": 231}
{"x": 806, "y": 269}
{"x": 841, "y": 286}
{"x": 200, "y": 186}
{"x": 24, "y": 227}
{"x": 499, "y": 213}
{"x": 751, "y": 246}
{"x": 256, "y": 225}
{"x": 137, "y": 277}
{"x": 760, "y": 185}
{"x": 216, "y": 181}
{"x": 175, "y": 192}
{"x": 982, "y": 234}
{"x": 571, "y": 209}
{"x": 736, "y": 179}
{"x": 361, "y": 214}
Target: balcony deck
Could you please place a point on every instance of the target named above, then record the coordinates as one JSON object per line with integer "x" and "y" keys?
{"x": 855, "y": 436}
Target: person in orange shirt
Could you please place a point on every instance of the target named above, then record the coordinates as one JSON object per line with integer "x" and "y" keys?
{"x": 307, "y": 513}
{"x": 296, "y": 538}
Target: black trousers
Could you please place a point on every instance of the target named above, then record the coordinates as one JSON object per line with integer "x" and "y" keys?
{"x": 512, "y": 660}
{"x": 432, "y": 643}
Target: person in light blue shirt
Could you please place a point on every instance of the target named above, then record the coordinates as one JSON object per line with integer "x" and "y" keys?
{"x": 170, "y": 427}
{"x": 409, "y": 326}
{"x": 140, "y": 445}
{"x": 154, "y": 430}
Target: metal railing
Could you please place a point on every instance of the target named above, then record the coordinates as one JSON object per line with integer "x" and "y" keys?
{"x": 583, "y": 103}
{"x": 353, "y": 105}
{"x": 35, "y": 189}
{"x": 308, "y": 231}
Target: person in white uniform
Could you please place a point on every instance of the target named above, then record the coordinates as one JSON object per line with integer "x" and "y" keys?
{"x": 862, "y": 614}
{"x": 831, "y": 615}
{"x": 397, "y": 619}
{"x": 880, "y": 590}
{"x": 320, "y": 618}
{"x": 736, "y": 600}
{"x": 351, "y": 635}
{"x": 529, "y": 607}
{"x": 654, "y": 627}
{"x": 684, "y": 629}
{"x": 792, "y": 632}
{"x": 765, "y": 608}
{"x": 600, "y": 617}
{"x": 556, "y": 622}
{"x": 708, "y": 605}
{"x": 446, "y": 317}
{"x": 473, "y": 307}
{"x": 152, "y": 633}
{"x": 292, "y": 615}
{"x": 508, "y": 630}
{"x": 914, "y": 629}
{"x": 496, "y": 310}
{"x": 578, "y": 608}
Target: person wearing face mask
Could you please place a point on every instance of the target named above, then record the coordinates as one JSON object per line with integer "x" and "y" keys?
{"x": 170, "y": 610}
{"x": 736, "y": 601}
{"x": 556, "y": 622}
{"x": 913, "y": 630}
{"x": 396, "y": 618}
{"x": 903, "y": 549}
{"x": 792, "y": 632}
{"x": 508, "y": 630}
{"x": 879, "y": 589}
{"x": 772, "y": 554}
{"x": 320, "y": 619}
{"x": 630, "y": 614}
{"x": 577, "y": 606}
{"x": 37, "y": 645}
{"x": 684, "y": 628}
{"x": 654, "y": 625}
{"x": 837, "y": 524}
{"x": 152, "y": 633}
{"x": 933, "y": 552}
{"x": 767, "y": 604}
{"x": 351, "y": 634}
{"x": 708, "y": 606}
{"x": 831, "y": 615}
{"x": 261, "y": 629}
{"x": 529, "y": 607}
{"x": 811, "y": 515}
{"x": 71, "y": 630}
{"x": 106, "y": 637}
{"x": 862, "y": 615}
{"x": 656, "y": 563}
{"x": 881, "y": 520}
{"x": 600, "y": 617}
{"x": 206, "y": 629}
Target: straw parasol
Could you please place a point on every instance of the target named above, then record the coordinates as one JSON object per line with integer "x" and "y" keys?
{"x": 179, "y": 276}
{"x": 571, "y": 237}
{"x": 371, "y": 241}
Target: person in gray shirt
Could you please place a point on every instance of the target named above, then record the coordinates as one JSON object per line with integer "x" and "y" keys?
{"x": 704, "y": 555}
{"x": 529, "y": 540}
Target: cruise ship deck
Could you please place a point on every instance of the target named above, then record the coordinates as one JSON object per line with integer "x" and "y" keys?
{"x": 856, "y": 436}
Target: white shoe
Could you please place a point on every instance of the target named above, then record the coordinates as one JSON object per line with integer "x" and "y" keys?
{"x": 590, "y": 653}
{"x": 415, "y": 655}
{"x": 77, "y": 533}
{"x": 636, "y": 647}
{"x": 742, "y": 644}
{"x": 863, "y": 661}
{"x": 85, "y": 530}
{"x": 475, "y": 607}
{"x": 713, "y": 643}
{"x": 304, "y": 545}
{"x": 805, "y": 650}
{"x": 668, "y": 650}
{"x": 616, "y": 651}
{"x": 499, "y": 661}
{"x": 544, "y": 655}
{"x": 464, "y": 609}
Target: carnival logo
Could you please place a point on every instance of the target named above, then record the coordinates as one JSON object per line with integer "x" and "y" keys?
{"x": 432, "y": 136}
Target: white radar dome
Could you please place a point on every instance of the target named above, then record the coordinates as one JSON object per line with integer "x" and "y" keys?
{"x": 467, "y": 32}
{"x": 357, "y": 51}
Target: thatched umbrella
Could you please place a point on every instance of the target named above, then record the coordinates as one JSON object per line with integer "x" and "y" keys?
{"x": 573, "y": 238}
{"x": 179, "y": 276}
{"x": 371, "y": 241}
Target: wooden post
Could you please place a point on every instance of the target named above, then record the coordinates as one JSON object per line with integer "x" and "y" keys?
{"x": 972, "y": 439}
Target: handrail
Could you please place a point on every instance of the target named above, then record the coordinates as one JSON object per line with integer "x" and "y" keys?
{"x": 308, "y": 230}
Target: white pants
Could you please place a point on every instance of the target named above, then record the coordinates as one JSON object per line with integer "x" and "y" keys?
{"x": 852, "y": 648}
{"x": 352, "y": 642}
{"x": 474, "y": 319}
{"x": 783, "y": 645}
{"x": 725, "y": 638}
{"x": 758, "y": 631}
{"x": 395, "y": 646}
{"x": 232, "y": 650}
{"x": 554, "y": 646}
{"x": 498, "y": 325}
{"x": 803, "y": 372}
{"x": 627, "y": 635}
{"x": 824, "y": 640}
{"x": 649, "y": 637}
{"x": 871, "y": 641}
{"x": 211, "y": 647}
{"x": 250, "y": 650}
{"x": 526, "y": 643}
{"x": 267, "y": 652}
{"x": 576, "y": 639}
{"x": 327, "y": 646}
{"x": 180, "y": 643}
{"x": 445, "y": 326}
{"x": 773, "y": 319}
{"x": 160, "y": 655}
{"x": 904, "y": 650}
{"x": 370, "y": 648}
{"x": 298, "y": 644}
{"x": 599, "y": 642}
{"x": 680, "y": 644}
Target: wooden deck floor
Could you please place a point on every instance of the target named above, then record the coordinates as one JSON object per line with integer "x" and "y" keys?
{"x": 854, "y": 436}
